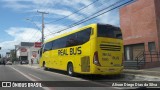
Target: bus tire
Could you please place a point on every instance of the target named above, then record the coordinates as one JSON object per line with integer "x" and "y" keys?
{"x": 44, "y": 66}
{"x": 70, "y": 69}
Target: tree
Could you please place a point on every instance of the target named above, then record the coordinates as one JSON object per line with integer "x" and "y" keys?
{"x": 13, "y": 56}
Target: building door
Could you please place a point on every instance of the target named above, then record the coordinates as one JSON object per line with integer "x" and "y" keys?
{"x": 137, "y": 50}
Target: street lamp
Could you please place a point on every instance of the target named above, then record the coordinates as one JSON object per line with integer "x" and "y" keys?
{"x": 42, "y": 32}
{"x": 33, "y": 23}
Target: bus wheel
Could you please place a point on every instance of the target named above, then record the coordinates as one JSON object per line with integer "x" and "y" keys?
{"x": 44, "y": 66}
{"x": 70, "y": 69}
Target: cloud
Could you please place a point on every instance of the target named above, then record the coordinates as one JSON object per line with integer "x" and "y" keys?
{"x": 110, "y": 18}
{"x": 42, "y": 2}
{"x": 16, "y": 5}
{"x": 48, "y": 6}
{"x": 54, "y": 9}
{"x": 20, "y": 34}
{"x": 60, "y": 12}
{"x": 23, "y": 34}
{"x": 52, "y": 28}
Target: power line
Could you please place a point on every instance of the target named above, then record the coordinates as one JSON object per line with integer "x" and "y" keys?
{"x": 36, "y": 26}
{"x": 32, "y": 18}
{"x": 82, "y": 19}
{"x": 73, "y": 12}
{"x": 86, "y": 19}
{"x": 32, "y": 35}
{"x": 98, "y": 12}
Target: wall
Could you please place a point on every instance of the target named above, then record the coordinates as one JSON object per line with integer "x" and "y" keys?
{"x": 138, "y": 23}
{"x": 29, "y": 53}
{"x": 157, "y": 8}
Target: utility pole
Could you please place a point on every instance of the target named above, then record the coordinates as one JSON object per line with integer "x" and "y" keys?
{"x": 15, "y": 53}
{"x": 42, "y": 24}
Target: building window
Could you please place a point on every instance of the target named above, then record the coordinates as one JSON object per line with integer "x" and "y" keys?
{"x": 133, "y": 51}
{"x": 151, "y": 46}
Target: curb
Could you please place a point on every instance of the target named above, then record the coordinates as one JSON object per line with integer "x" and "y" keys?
{"x": 32, "y": 66}
{"x": 142, "y": 72}
{"x": 140, "y": 77}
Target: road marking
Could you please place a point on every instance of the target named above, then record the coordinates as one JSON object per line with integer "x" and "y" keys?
{"x": 58, "y": 74}
{"x": 79, "y": 79}
{"x": 32, "y": 79}
{"x": 35, "y": 76}
{"x": 23, "y": 74}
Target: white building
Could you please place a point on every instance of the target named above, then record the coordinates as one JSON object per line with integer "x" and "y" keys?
{"x": 27, "y": 51}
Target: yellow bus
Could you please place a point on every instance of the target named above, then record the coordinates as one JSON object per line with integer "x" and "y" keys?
{"x": 93, "y": 49}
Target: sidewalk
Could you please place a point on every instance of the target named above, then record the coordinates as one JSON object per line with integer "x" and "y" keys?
{"x": 33, "y": 66}
{"x": 149, "y": 72}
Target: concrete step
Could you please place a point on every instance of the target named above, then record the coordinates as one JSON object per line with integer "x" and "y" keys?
{"x": 131, "y": 67}
{"x": 132, "y": 64}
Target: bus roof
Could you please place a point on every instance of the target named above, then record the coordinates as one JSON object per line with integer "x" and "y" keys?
{"x": 76, "y": 30}
{"x": 70, "y": 32}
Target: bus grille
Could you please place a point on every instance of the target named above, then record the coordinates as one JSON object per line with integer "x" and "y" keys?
{"x": 110, "y": 47}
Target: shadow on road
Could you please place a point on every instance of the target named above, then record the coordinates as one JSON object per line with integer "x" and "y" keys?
{"x": 120, "y": 77}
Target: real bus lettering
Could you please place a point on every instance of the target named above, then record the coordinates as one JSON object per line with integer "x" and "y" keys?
{"x": 59, "y": 52}
{"x": 75, "y": 51}
{"x": 62, "y": 52}
{"x": 79, "y": 50}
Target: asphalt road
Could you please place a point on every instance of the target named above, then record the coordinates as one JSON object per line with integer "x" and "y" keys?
{"x": 65, "y": 82}
{"x": 9, "y": 74}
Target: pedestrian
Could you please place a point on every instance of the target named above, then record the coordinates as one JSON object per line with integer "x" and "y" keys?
{"x": 21, "y": 62}
{"x": 4, "y": 63}
{"x": 31, "y": 61}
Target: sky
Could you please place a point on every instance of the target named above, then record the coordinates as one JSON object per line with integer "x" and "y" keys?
{"x": 20, "y": 21}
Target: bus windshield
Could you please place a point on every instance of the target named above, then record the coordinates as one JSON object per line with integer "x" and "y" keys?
{"x": 109, "y": 31}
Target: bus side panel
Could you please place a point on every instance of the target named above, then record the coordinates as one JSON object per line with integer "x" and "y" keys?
{"x": 60, "y": 58}
{"x": 55, "y": 60}
{"x": 93, "y": 48}
{"x": 52, "y": 59}
{"x": 41, "y": 61}
{"x": 44, "y": 58}
{"x": 64, "y": 59}
{"x": 80, "y": 59}
{"x": 84, "y": 62}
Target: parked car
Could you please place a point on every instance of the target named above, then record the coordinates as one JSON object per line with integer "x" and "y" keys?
{"x": 24, "y": 62}
{"x": 9, "y": 63}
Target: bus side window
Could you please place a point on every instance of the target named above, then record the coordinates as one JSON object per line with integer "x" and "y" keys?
{"x": 84, "y": 36}
{"x": 71, "y": 40}
{"x": 47, "y": 46}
